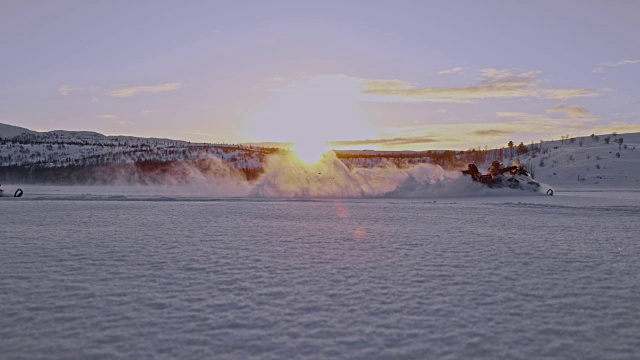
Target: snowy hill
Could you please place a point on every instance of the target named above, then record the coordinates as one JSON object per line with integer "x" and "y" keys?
{"x": 594, "y": 162}
{"x": 9, "y": 131}
{"x": 22, "y": 147}
{"x": 33, "y": 156}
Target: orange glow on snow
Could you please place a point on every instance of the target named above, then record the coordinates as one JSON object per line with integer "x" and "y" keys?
{"x": 359, "y": 233}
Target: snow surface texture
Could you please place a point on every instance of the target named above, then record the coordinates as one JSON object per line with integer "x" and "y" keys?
{"x": 103, "y": 272}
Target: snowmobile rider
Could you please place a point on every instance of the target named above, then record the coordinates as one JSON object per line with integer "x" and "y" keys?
{"x": 496, "y": 170}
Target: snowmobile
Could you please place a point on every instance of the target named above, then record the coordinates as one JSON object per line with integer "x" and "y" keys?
{"x": 18, "y": 193}
{"x": 512, "y": 177}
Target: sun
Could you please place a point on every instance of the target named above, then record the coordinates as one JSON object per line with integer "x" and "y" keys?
{"x": 312, "y": 112}
{"x": 310, "y": 152}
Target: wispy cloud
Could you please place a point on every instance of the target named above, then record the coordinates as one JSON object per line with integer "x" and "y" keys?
{"x": 386, "y": 85}
{"x": 274, "y": 144}
{"x": 520, "y": 126}
{"x": 146, "y": 112}
{"x": 108, "y": 116}
{"x": 572, "y": 111}
{"x": 528, "y": 122}
{"x": 125, "y": 123}
{"x": 537, "y": 119}
{"x": 451, "y": 71}
{"x": 494, "y": 84}
{"x": 134, "y": 90}
{"x": 388, "y": 142}
{"x": 65, "y": 90}
{"x": 611, "y": 64}
{"x": 198, "y": 132}
{"x": 495, "y": 74}
{"x": 619, "y": 127}
{"x": 492, "y": 132}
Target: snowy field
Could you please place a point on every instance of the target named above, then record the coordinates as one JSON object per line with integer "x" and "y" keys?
{"x": 138, "y": 272}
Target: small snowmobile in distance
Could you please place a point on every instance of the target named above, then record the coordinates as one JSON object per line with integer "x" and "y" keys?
{"x": 512, "y": 177}
{"x": 18, "y": 193}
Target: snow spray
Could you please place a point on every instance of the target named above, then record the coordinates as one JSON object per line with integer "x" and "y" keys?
{"x": 287, "y": 176}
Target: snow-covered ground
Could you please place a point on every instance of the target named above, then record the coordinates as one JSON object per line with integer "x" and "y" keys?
{"x": 106, "y": 272}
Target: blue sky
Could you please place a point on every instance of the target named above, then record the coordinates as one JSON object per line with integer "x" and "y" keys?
{"x": 362, "y": 74}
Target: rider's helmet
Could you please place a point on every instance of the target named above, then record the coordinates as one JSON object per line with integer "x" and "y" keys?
{"x": 495, "y": 164}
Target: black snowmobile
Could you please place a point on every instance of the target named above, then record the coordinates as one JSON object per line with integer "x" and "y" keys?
{"x": 512, "y": 177}
{"x": 18, "y": 193}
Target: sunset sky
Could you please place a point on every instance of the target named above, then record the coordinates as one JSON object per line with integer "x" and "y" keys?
{"x": 362, "y": 74}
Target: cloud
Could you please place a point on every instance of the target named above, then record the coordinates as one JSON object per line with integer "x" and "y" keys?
{"x": 610, "y": 64}
{"x": 516, "y": 126}
{"x": 146, "y": 112}
{"x": 494, "y": 84}
{"x": 495, "y": 74}
{"x": 271, "y": 144}
{"x": 131, "y": 91}
{"x": 619, "y": 127}
{"x": 199, "y": 132}
{"x": 539, "y": 126}
{"x": 572, "y": 111}
{"x": 540, "y": 123}
{"x": 125, "y": 123}
{"x": 108, "y": 116}
{"x": 386, "y": 85}
{"x": 562, "y": 94}
{"x": 65, "y": 90}
{"x": 388, "y": 142}
{"x": 442, "y": 111}
{"x": 617, "y": 116}
{"x": 492, "y": 132}
{"x": 529, "y": 117}
{"x": 450, "y": 71}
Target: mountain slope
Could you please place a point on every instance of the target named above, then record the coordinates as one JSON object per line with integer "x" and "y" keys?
{"x": 9, "y": 131}
{"x": 604, "y": 161}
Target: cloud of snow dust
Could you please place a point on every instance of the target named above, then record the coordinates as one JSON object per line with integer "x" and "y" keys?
{"x": 286, "y": 176}
{"x": 207, "y": 176}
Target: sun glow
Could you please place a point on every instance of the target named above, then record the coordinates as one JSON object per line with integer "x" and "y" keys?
{"x": 310, "y": 152}
{"x": 312, "y": 112}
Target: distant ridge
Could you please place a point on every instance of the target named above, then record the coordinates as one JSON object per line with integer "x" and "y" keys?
{"x": 8, "y": 131}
